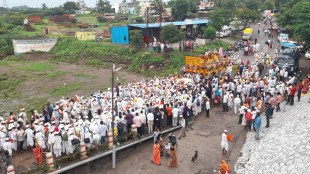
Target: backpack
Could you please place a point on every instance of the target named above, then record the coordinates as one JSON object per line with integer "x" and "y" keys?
{"x": 65, "y": 136}
{"x": 198, "y": 102}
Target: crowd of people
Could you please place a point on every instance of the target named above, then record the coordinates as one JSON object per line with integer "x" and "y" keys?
{"x": 151, "y": 105}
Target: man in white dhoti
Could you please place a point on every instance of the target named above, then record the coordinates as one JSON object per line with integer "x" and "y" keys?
{"x": 224, "y": 142}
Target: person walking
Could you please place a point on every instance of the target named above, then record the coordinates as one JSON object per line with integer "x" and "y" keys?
{"x": 248, "y": 117}
{"x": 183, "y": 124}
{"x": 174, "y": 160}
{"x": 224, "y": 143}
{"x": 208, "y": 107}
{"x": 279, "y": 101}
{"x": 268, "y": 114}
{"x": 299, "y": 89}
{"x": 292, "y": 94}
{"x": 175, "y": 115}
{"x": 156, "y": 154}
{"x": 150, "y": 121}
{"x": 237, "y": 103}
{"x": 102, "y": 132}
{"x": 257, "y": 124}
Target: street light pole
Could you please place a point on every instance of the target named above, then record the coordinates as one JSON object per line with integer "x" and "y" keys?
{"x": 113, "y": 150}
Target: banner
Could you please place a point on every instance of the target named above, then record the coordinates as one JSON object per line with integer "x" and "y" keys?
{"x": 194, "y": 61}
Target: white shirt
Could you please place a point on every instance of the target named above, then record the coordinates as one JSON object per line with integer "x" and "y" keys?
{"x": 182, "y": 122}
{"x": 150, "y": 117}
{"x": 175, "y": 112}
{"x": 208, "y": 105}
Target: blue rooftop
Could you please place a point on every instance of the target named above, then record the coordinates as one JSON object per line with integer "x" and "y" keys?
{"x": 176, "y": 23}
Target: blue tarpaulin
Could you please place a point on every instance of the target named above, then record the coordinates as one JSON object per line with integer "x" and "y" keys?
{"x": 287, "y": 44}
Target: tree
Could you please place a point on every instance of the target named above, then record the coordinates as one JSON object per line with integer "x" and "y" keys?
{"x": 158, "y": 7}
{"x": 69, "y": 5}
{"x": 44, "y": 7}
{"x": 104, "y": 6}
{"x": 136, "y": 38}
{"x": 209, "y": 33}
{"x": 297, "y": 19}
{"x": 220, "y": 17}
{"x": 180, "y": 8}
{"x": 171, "y": 34}
{"x": 247, "y": 14}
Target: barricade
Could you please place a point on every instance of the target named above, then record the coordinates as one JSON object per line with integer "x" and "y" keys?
{"x": 49, "y": 160}
{"x": 83, "y": 150}
{"x": 10, "y": 170}
{"x": 110, "y": 140}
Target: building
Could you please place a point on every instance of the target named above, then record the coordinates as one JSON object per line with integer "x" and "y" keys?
{"x": 25, "y": 46}
{"x": 120, "y": 34}
{"x": 85, "y": 35}
{"x": 127, "y": 7}
{"x": 34, "y": 19}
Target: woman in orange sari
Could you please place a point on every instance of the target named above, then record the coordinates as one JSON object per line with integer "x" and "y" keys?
{"x": 174, "y": 161}
{"x": 156, "y": 154}
{"x": 38, "y": 154}
{"x": 224, "y": 167}
{"x": 305, "y": 86}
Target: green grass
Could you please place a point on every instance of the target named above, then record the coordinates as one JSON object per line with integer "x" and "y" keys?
{"x": 9, "y": 84}
{"x": 38, "y": 67}
{"x": 87, "y": 76}
{"x": 64, "y": 90}
{"x": 53, "y": 74}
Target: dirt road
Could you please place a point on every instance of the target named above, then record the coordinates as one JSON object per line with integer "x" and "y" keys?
{"x": 205, "y": 138}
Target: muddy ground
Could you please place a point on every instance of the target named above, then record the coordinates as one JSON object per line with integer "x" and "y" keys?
{"x": 31, "y": 82}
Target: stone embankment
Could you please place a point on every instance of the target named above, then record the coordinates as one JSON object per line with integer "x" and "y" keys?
{"x": 284, "y": 147}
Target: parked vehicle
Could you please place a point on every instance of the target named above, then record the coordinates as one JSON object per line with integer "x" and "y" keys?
{"x": 225, "y": 31}
{"x": 236, "y": 25}
{"x": 283, "y": 37}
{"x": 292, "y": 44}
{"x": 307, "y": 55}
{"x": 239, "y": 45}
{"x": 247, "y": 34}
{"x": 289, "y": 58}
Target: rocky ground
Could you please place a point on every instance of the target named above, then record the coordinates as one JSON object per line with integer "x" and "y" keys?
{"x": 283, "y": 148}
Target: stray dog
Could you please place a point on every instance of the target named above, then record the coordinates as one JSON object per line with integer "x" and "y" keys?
{"x": 194, "y": 158}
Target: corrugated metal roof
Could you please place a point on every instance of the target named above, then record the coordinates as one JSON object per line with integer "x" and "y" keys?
{"x": 176, "y": 23}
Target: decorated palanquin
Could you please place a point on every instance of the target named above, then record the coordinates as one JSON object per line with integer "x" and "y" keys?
{"x": 208, "y": 64}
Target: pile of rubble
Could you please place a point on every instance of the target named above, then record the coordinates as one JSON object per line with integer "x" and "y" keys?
{"x": 284, "y": 147}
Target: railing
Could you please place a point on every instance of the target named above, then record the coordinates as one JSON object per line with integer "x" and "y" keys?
{"x": 90, "y": 159}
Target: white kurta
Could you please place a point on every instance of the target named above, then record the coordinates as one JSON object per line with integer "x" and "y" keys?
{"x": 224, "y": 142}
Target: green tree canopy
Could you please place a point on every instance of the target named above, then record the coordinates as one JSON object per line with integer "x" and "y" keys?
{"x": 104, "y": 6}
{"x": 209, "y": 33}
{"x": 297, "y": 19}
{"x": 70, "y": 5}
{"x": 157, "y": 6}
{"x": 171, "y": 34}
{"x": 136, "y": 38}
{"x": 220, "y": 17}
{"x": 180, "y": 8}
{"x": 247, "y": 14}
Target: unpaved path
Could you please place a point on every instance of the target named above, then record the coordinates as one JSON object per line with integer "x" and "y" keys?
{"x": 205, "y": 138}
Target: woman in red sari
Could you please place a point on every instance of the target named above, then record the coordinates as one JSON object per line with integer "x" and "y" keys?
{"x": 38, "y": 154}
{"x": 156, "y": 154}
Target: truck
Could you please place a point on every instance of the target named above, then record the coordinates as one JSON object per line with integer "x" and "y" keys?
{"x": 289, "y": 59}
{"x": 224, "y": 32}
{"x": 247, "y": 34}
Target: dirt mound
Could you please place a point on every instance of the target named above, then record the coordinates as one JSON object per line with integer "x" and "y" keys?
{"x": 37, "y": 56}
